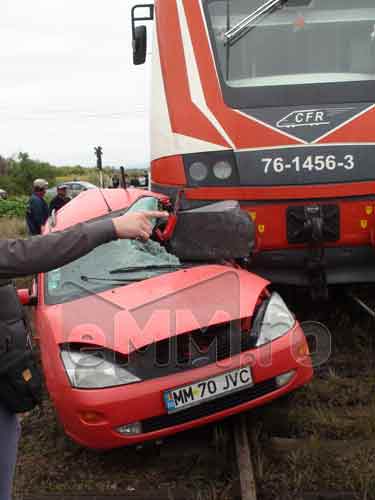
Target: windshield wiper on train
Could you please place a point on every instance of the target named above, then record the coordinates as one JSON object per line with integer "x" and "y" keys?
{"x": 246, "y": 23}
{"x": 152, "y": 267}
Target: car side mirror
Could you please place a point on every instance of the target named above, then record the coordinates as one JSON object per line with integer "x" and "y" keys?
{"x": 26, "y": 298}
{"x": 139, "y": 45}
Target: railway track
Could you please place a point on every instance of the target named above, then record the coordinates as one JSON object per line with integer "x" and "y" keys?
{"x": 229, "y": 441}
{"x": 229, "y": 446}
{"x": 244, "y": 460}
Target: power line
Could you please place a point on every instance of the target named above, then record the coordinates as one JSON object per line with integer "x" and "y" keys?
{"x": 71, "y": 114}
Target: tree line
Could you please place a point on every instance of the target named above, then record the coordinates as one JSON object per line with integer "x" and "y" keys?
{"x": 17, "y": 174}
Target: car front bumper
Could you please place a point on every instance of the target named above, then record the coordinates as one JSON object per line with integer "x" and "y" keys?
{"x": 92, "y": 417}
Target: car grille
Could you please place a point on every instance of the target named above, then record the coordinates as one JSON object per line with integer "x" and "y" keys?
{"x": 191, "y": 350}
{"x": 210, "y": 407}
{"x": 218, "y": 342}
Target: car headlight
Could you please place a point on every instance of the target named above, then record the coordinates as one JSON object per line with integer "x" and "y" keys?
{"x": 223, "y": 170}
{"x": 275, "y": 321}
{"x": 198, "y": 171}
{"x": 95, "y": 369}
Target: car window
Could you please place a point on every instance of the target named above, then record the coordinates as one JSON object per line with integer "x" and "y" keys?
{"x": 66, "y": 283}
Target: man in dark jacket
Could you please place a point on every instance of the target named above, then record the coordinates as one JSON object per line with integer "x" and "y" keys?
{"x": 59, "y": 200}
{"x": 42, "y": 254}
{"x": 37, "y": 208}
{"x": 115, "y": 182}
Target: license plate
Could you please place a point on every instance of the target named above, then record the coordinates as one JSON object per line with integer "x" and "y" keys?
{"x": 194, "y": 394}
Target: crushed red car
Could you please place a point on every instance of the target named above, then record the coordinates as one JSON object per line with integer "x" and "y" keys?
{"x": 143, "y": 340}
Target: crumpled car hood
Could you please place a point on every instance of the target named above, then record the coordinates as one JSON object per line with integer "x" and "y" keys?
{"x": 133, "y": 316}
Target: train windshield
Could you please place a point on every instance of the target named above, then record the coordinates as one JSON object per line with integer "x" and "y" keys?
{"x": 295, "y": 42}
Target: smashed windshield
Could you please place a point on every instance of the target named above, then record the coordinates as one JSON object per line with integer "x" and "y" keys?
{"x": 94, "y": 272}
{"x": 295, "y": 42}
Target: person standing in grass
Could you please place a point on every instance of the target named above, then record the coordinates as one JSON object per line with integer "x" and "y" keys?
{"x": 115, "y": 182}
{"x": 37, "y": 209}
{"x": 38, "y": 255}
{"x": 60, "y": 199}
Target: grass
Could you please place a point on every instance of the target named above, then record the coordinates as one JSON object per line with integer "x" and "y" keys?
{"x": 12, "y": 227}
{"x": 15, "y": 227}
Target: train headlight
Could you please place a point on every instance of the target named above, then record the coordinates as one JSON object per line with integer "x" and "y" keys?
{"x": 223, "y": 170}
{"x": 211, "y": 169}
{"x": 198, "y": 171}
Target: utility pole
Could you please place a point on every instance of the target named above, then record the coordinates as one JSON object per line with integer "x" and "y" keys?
{"x": 99, "y": 165}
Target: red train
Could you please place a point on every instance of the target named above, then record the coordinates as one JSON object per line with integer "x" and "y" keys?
{"x": 271, "y": 103}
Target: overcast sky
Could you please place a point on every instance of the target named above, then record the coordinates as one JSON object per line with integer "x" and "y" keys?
{"x": 67, "y": 82}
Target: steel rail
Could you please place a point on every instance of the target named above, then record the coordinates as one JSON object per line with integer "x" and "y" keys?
{"x": 244, "y": 459}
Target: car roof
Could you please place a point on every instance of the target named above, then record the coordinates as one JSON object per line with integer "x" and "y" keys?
{"x": 82, "y": 183}
{"x": 91, "y": 205}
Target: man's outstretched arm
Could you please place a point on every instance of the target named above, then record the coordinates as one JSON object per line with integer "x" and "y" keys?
{"x": 44, "y": 253}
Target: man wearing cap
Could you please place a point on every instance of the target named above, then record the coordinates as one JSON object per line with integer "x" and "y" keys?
{"x": 37, "y": 208}
{"x": 60, "y": 199}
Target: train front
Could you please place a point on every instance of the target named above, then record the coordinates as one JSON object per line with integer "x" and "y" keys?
{"x": 272, "y": 103}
